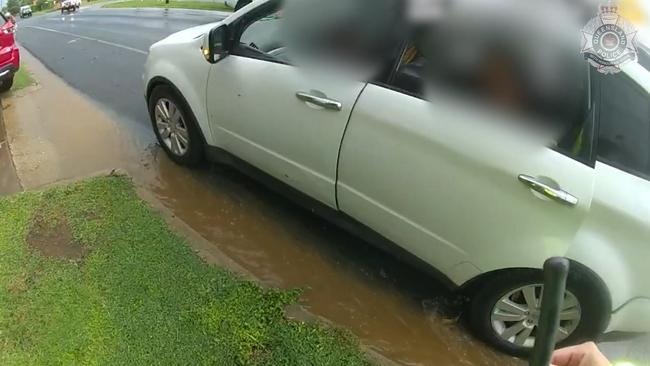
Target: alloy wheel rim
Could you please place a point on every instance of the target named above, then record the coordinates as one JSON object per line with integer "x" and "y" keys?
{"x": 171, "y": 127}
{"x": 515, "y": 316}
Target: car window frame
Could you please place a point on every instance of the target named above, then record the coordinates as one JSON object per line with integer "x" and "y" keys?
{"x": 611, "y": 163}
{"x": 590, "y": 122}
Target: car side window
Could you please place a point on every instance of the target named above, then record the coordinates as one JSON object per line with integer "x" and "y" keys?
{"x": 262, "y": 38}
{"x": 409, "y": 73}
{"x": 496, "y": 84}
{"x": 624, "y": 129}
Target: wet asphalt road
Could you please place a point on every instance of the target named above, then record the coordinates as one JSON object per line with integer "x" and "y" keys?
{"x": 101, "y": 52}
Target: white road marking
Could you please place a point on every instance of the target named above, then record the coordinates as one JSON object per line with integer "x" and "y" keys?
{"x": 90, "y": 39}
{"x": 73, "y": 40}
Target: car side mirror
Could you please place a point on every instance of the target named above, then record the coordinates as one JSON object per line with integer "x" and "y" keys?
{"x": 217, "y": 44}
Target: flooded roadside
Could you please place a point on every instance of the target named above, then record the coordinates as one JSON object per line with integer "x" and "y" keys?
{"x": 390, "y": 306}
{"x": 393, "y": 308}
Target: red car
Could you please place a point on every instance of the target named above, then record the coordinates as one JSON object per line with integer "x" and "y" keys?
{"x": 9, "y": 54}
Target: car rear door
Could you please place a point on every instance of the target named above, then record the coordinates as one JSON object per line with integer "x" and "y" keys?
{"x": 283, "y": 121}
{"x": 458, "y": 196}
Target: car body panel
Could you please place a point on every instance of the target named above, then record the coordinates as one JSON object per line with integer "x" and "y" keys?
{"x": 399, "y": 149}
{"x": 304, "y": 148}
{"x": 190, "y": 80}
{"x": 9, "y": 52}
{"x": 614, "y": 240}
{"x": 631, "y": 317}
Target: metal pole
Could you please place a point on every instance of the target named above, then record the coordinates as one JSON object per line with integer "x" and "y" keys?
{"x": 556, "y": 270}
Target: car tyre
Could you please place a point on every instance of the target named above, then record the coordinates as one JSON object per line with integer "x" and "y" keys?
{"x": 6, "y": 84}
{"x": 594, "y": 308}
{"x": 182, "y": 140}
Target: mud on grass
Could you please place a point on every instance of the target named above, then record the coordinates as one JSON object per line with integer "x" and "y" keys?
{"x": 127, "y": 290}
{"x": 52, "y": 237}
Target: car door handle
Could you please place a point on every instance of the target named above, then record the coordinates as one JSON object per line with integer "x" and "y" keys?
{"x": 319, "y": 101}
{"x": 555, "y": 194}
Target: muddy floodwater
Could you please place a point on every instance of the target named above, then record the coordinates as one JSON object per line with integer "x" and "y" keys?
{"x": 392, "y": 308}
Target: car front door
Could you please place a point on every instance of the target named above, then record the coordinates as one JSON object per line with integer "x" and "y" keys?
{"x": 438, "y": 181}
{"x": 276, "y": 117}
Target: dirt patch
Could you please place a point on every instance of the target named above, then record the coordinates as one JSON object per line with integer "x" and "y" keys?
{"x": 52, "y": 237}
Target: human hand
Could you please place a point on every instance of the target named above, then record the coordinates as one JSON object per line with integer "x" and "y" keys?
{"x": 586, "y": 354}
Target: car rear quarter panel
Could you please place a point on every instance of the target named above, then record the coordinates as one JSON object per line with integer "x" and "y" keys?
{"x": 614, "y": 240}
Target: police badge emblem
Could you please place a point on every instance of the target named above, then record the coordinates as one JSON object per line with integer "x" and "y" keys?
{"x": 609, "y": 41}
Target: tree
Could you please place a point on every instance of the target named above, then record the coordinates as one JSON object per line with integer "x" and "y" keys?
{"x": 43, "y": 4}
{"x": 26, "y": 2}
{"x": 13, "y": 6}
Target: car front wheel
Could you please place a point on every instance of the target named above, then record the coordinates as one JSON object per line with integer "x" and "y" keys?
{"x": 175, "y": 126}
{"x": 505, "y": 310}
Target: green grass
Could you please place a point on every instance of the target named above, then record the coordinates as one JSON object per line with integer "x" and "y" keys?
{"x": 172, "y": 4}
{"x": 39, "y": 12}
{"x": 22, "y": 79}
{"x": 140, "y": 296}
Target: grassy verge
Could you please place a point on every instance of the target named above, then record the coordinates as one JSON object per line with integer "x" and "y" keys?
{"x": 58, "y": 9}
{"x": 172, "y": 4}
{"x": 48, "y": 10}
{"x": 90, "y": 275}
{"x": 22, "y": 79}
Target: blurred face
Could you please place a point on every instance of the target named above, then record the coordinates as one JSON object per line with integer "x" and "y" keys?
{"x": 499, "y": 85}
